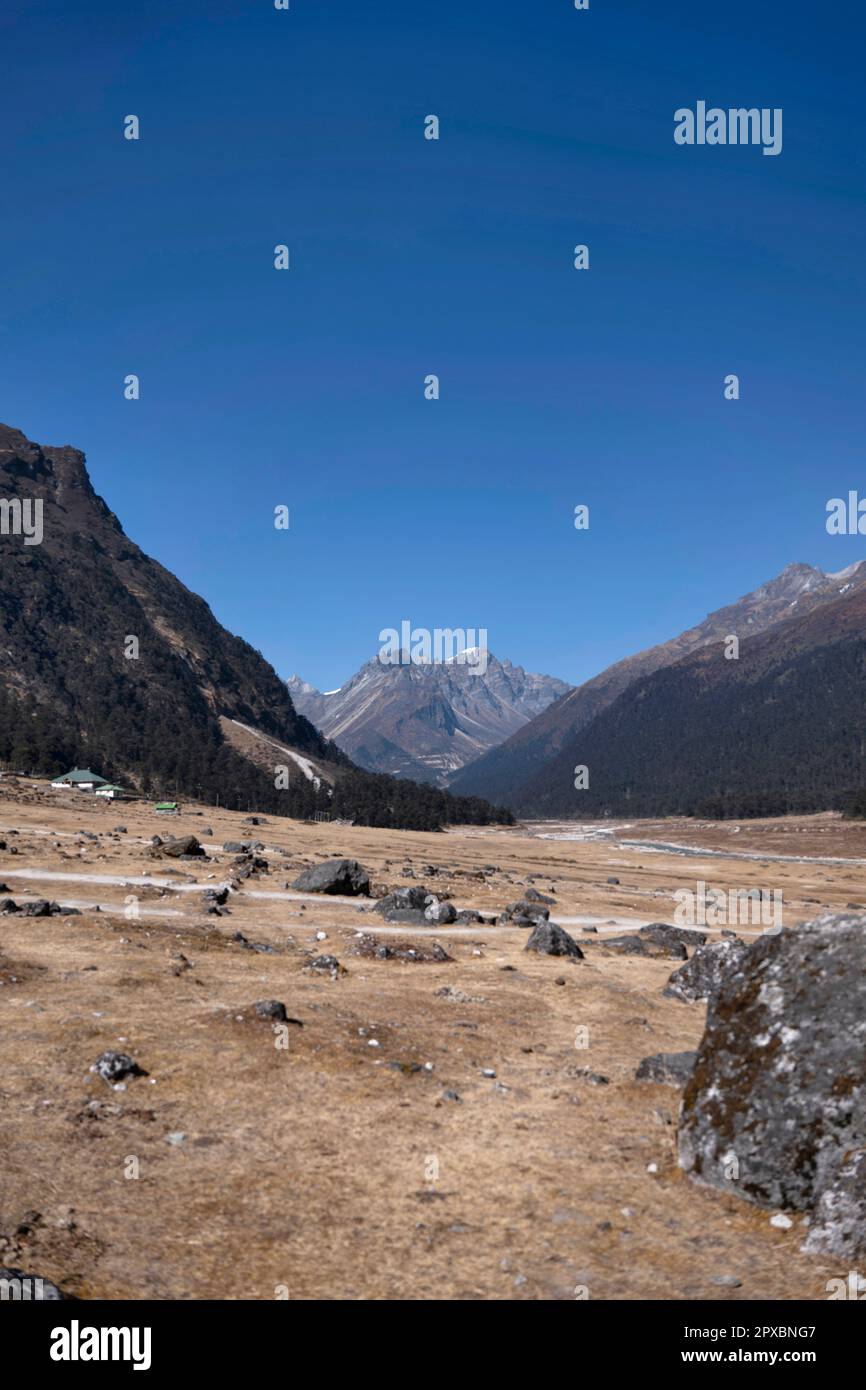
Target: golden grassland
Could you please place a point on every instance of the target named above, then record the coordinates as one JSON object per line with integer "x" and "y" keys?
{"x": 331, "y": 1168}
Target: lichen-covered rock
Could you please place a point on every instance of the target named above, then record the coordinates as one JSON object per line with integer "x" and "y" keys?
{"x": 550, "y": 940}
{"x": 775, "y": 1109}
{"x": 702, "y": 976}
{"x": 839, "y": 1222}
{"x": 116, "y": 1066}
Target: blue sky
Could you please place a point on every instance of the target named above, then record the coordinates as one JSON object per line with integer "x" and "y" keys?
{"x": 410, "y": 257}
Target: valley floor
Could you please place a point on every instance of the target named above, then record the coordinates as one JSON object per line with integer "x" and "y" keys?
{"x": 332, "y": 1169}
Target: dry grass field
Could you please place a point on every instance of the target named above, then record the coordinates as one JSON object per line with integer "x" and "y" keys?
{"x": 339, "y": 1167}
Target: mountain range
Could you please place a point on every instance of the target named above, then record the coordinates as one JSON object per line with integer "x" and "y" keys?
{"x": 680, "y": 727}
{"x": 426, "y": 720}
{"x": 107, "y": 659}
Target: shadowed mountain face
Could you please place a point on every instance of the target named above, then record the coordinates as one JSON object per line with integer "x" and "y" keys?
{"x": 510, "y": 772}
{"x": 109, "y": 660}
{"x": 778, "y": 730}
{"x": 426, "y": 720}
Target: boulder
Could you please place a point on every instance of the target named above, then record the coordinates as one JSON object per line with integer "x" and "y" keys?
{"x": 778, "y": 1093}
{"x": 523, "y": 914}
{"x": 404, "y": 900}
{"x": 116, "y": 1066}
{"x": 839, "y": 1221}
{"x": 634, "y": 945}
{"x": 667, "y": 1068}
{"x": 667, "y": 935}
{"x": 440, "y": 914}
{"x": 702, "y": 976}
{"x": 550, "y": 940}
{"x": 186, "y": 847}
{"x": 343, "y": 877}
{"x": 327, "y": 965}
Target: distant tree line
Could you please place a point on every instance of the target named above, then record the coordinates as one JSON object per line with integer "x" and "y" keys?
{"x": 124, "y": 737}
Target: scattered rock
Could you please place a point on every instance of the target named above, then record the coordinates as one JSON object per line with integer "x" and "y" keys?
{"x": 116, "y": 1066}
{"x": 371, "y": 947}
{"x": 456, "y": 996}
{"x": 327, "y": 965}
{"x": 667, "y": 935}
{"x": 275, "y": 1010}
{"x": 550, "y": 940}
{"x": 667, "y": 1068}
{"x": 247, "y": 945}
{"x": 524, "y": 914}
{"x": 634, "y": 945}
{"x": 440, "y": 914}
{"x": 532, "y": 895}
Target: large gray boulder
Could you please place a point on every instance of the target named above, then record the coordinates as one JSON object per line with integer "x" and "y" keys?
{"x": 702, "y": 976}
{"x": 343, "y": 877}
{"x": 550, "y": 940}
{"x": 775, "y": 1109}
{"x": 440, "y": 914}
{"x": 185, "y": 847}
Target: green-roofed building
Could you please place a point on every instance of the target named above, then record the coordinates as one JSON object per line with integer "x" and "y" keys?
{"x": 80, "y": 779}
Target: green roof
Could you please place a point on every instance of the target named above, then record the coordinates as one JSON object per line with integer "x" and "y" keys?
{"x": 79, "y": 774}
{"x": 165, "y": 806}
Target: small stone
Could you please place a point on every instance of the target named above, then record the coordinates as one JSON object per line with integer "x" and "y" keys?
{"x": 781, "y": 1221}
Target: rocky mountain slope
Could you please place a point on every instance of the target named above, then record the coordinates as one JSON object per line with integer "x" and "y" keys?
{"x": 778, "y": 730}
{"x": 105, "y": 657}
{"x": 425, "y": 721}
{"x": 506, "y": 772}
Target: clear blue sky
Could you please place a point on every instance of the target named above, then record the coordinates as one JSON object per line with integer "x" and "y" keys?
{"x": 410, "y": 257}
